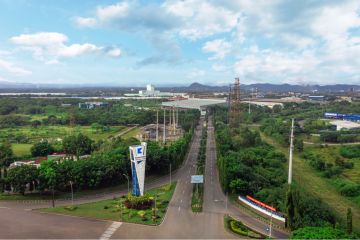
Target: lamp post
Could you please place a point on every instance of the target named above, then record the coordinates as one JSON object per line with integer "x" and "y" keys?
{"x": 72, "y": 192}
{"x": 127, "y": 177}
{"x": 270, "y": 228}
{"x": 170, "y": 176}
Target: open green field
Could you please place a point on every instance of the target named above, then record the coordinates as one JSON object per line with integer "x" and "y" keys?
{"x": 319, "y": 186}
{"x": 54, "y": 133}
{"x": 114, "y": 209}
{"x": 21, "y": 149}
{"x": 131, "y": 133}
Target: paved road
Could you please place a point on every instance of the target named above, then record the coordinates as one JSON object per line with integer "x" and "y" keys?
{"x": 18, "y": 222}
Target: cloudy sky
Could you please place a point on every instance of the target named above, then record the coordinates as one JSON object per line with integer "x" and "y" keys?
{"x": 179, "y": 42}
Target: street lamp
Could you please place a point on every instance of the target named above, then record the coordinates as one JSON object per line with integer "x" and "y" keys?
{"x": 127, "y": 177}
{"x": 170, "y": 176}
{"x": 72, "y": 192}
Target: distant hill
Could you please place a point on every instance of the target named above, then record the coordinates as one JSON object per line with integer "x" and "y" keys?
{"x": 268, "y": 87}
{"x": 14, "y": 85}
{"x": 194, "y": 87}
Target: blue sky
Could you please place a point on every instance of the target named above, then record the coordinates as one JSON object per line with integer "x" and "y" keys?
{"x": 134, "y": 42}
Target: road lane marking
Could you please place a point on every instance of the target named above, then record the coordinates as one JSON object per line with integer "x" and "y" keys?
{"x": 179, "y": 208}
{"x": 181, "y": 200}
{"x": 5, "y": 207}
{"x": 110, "y": 230}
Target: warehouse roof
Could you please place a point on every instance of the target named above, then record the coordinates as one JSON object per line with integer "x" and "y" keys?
{"x": 193, "y": 103}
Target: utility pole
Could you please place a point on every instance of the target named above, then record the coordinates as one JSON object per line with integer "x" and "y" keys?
{"x": 170, "y": 175}
{"x": 72, "y": 192}
{"x": 270, "y": 228}
{"x": 127, "y": 177}
{"x": 157, "y": 125}
{"x": 291, "y": 152}
{"x": 164, "y": 132}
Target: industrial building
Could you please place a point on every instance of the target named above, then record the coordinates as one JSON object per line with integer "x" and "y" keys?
{"x": 317, "y": 98}
{"x": 150, "y": 92}
{"x": 194, "y": 103}
{"x": 91, "y": 105}
{"x": 340, "y": 116}
{"x": 169, "y": 130}
{"x": 345, "y": 125}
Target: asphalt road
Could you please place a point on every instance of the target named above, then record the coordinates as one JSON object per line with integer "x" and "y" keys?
{"x": 18, "y": 221}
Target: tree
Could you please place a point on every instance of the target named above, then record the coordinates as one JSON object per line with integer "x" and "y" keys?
{"x": 42, "y": 148}
{"x": 349, "y": 221}
{"x": 6, "y": 154}
{"x": 48, "y": 177}
{"x": 78, "y": 144}
{"x": 320, "y": 233}
{"x": 19, "y": 177}
{"x": 299, "y": 145}
{"x": 35, "y": 124}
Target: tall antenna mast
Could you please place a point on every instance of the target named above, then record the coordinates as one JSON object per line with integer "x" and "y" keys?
{"x": 235, "y": 104}
{"x": 157, "y": 125}
{"x": 291, "y": 152}
{"x": 164, "y": 132}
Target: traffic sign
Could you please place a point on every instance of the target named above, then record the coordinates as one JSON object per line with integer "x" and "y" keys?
{"x": 197, "y": 178}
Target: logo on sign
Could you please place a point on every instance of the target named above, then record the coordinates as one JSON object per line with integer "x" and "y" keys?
{"x": 139, "y": 151}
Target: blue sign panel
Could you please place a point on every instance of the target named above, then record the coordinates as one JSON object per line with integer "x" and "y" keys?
{"x": 197, "y": 178}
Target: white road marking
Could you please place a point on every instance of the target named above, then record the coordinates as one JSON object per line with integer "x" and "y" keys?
{"x": 110, "y": 230}
{"x": 179, "y": 208}
{"x": 5, "y": 207}
{"x": 181, "y": 200}
{"x": 183, "y": 191}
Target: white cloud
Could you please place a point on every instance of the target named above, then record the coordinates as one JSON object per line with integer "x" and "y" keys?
{"x": 202, "y": 18}
{"x": 13, "y": 69}
{"x": 196, "y": 73}
{"x": 40, "y": 39}
{"x": 50, "y": 46}
{"x": 219, "y": 47}
{"x": 336, "y": 20}
{"x": 114, "y": 52}
{"x": 219, "y": 67}
{"x": 273, "y": 63}
{"x": 110, "y": 12}
{"x": 85, "y": 22}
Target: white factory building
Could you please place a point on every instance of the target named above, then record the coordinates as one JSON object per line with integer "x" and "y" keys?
{"x": 151, "y": 92}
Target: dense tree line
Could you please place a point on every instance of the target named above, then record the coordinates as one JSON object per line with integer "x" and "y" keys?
{"x": 17, "y": 111}
{"x": 247, "y": 165}
{"x": 104, "y": 167}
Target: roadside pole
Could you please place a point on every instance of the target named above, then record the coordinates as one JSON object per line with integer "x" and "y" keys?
{"x": 72, "y": 193}
{"x": 170, "y": 176}
{"x": 127, "y": 177}
{"x": 270, "y": 228}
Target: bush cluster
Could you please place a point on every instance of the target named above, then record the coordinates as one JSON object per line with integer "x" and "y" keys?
{"x": 140, "y": 202}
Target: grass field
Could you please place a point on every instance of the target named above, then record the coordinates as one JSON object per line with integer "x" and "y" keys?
{"x": 52, "y": 133}
{"x": 21, "y": 149}
{"x": 115, "y": 210}
{"x": 319, "y": 186}
{"x": 131, "y": 133}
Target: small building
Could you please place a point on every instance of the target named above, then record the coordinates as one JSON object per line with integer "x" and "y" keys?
{"x": 340, "y": 116}
{"x": 345, "y": 125}
{"x": 316, "y": 98}
{"x": 91, "y": 105}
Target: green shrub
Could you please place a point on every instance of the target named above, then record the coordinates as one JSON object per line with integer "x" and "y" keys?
{"x": 141, "y": 202}
{"x": 71, "y": 208}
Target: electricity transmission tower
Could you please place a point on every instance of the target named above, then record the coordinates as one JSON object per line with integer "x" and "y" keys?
{"x": 234, "y": 104}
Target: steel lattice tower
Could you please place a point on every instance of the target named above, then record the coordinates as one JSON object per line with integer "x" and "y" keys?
{"x": 234, "y": 104}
